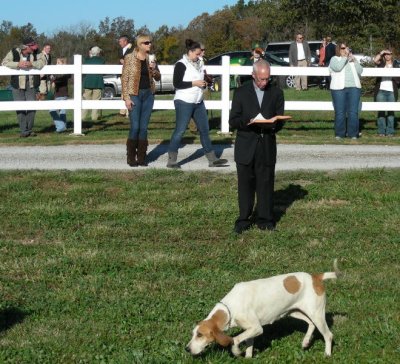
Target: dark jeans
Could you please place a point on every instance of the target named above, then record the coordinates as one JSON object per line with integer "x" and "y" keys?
{"x": 385, "y": 124}
{"x": 26, "y": 118}
{"x": 346, "y": 102}
{"x": 139, "y": 116}
{"x": 184, "y": 111}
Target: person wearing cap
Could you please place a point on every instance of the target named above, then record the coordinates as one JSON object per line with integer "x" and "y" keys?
{"x": 24, "y": 86}
{"x": 386, "y": 90}
{"x": 93, "y": 84}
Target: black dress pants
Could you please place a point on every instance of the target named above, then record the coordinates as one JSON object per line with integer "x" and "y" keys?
{"x": 255, "y": 180}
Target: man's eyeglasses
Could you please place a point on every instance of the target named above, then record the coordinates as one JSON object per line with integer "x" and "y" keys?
{"x": 147, "y": 42}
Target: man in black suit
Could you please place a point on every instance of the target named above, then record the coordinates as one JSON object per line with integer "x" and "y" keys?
{"x": 255, "y": 147}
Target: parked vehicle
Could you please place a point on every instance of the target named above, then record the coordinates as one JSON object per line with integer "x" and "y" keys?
{"x": 243, "y": 58}
{"x": 281, "y": 49}
{"x": 113, "y": 88}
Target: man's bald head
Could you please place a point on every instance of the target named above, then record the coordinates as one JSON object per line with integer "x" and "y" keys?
{"x": 261, "y": 73}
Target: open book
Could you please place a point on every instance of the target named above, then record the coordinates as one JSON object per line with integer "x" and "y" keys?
{"x": 259, "y": 119}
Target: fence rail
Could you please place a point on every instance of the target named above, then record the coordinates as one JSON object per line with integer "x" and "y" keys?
{"x": 77, "y": 104}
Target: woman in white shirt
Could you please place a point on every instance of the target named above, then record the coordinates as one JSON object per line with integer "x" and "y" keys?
{"x": 386, "y": 90}
{"x": 346, "y": 91}
{"x": 189, "y": 86}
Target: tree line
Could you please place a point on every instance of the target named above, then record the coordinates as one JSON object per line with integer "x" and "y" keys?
{"x": 367, "y": 26}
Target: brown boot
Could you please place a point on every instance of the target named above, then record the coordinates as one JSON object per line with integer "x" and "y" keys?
{"x": 131, "y": 146}
{"x": 142, "y": 152}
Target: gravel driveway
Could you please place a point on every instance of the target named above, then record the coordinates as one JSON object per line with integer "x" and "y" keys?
{"x": 113, "y": 157}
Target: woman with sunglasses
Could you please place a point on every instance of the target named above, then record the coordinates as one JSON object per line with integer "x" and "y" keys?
{"x": 345, "y": 86}
{"x": 386, "y": 90}
{"x": 189, "y": 82}
{"x": 138, "y": 88}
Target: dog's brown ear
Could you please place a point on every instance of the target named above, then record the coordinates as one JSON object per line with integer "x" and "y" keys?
{"x": 222, "y": 339}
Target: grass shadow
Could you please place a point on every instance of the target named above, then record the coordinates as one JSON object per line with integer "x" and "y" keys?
{"x": 11, "y": 316}
{"x": 286, "y": 327}
{"x": 286, "y": 197}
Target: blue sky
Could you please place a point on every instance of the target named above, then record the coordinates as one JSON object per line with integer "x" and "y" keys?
{"x": 49, "y": 16}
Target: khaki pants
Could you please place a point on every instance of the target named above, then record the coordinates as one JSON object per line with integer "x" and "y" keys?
{"x": 44, "y": 87}
{"x": 301, "y": 81}
{"x": 92, "y": 94}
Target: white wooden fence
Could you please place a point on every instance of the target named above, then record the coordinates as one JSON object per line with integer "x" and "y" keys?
{"x": 78, "y": 69}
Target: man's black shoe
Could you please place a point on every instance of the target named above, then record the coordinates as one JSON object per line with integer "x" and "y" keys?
{"x": 270, "y": 227}
{"x": 238, "y": 229}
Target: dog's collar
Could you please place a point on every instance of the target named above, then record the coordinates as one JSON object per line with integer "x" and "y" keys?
{"x": 229, "y": 313}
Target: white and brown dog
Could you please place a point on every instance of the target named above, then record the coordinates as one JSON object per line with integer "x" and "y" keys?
{"x": 250, "y": 305}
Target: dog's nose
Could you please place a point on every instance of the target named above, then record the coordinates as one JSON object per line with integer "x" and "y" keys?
{"x": 187, "y": 349}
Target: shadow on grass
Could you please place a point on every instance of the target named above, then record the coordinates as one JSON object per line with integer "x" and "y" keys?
{"x": 286, "y": 327}
{"x": 11, "y": 316}
{"x": 286, "y": 197}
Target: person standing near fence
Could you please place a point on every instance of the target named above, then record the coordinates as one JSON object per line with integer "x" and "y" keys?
{"x": 24, "y": 86}
{"x": 255, "y": 147}
{"x": 125, "y": 48}
{"x": 189, "y": 82}
{"x": 93, "y": 84}
{"x": 386, "y": 90}
{"x": 60, "y": 93}
{"x": 138, "y": 88}
{"x": 45, "y": 82}
{"x": 345, "y": 87}
{"x": 300, "y": 56}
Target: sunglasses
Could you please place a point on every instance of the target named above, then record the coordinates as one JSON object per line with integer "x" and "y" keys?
{"x": 342, "y": 47}
{"x": 147, "y": 42}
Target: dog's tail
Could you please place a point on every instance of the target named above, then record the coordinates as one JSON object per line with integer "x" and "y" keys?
{"x": 332, "y": 275}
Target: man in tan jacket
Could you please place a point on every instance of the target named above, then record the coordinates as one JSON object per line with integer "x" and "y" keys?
{"x": 24, "y": 86}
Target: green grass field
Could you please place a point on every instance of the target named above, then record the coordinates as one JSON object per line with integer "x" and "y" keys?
{"x": 308, "y": 127}
{"x": 101, "y": 267}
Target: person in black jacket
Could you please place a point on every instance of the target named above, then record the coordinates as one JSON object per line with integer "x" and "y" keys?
{"x": 255, "y": 147}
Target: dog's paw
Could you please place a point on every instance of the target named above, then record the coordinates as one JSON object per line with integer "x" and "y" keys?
{"x": 306, "y": 344}
{"x": 236, "y": 351}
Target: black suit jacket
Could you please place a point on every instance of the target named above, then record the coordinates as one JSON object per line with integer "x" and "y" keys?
{"x": 245, "y": 107}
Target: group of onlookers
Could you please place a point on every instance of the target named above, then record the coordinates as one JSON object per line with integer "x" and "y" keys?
{"x": 345, "y": 71}
{"x": 344, "y": 82}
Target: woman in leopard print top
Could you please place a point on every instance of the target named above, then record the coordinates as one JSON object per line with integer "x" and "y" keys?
{"x": 138, "y": 89}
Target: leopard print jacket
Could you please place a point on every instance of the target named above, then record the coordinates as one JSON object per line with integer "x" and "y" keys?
{"x": 130, "y": 77}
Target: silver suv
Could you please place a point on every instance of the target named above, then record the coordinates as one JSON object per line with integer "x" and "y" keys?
{"x": 112, "y": 85}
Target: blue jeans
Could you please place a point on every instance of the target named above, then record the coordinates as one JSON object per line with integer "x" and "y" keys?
{"x": 184, "y": 111}
{"x": 346, "y": 102}
{"x": 385, "y": 125}
{"x": 59, "y": 116}
{"x": 139, "y": 116}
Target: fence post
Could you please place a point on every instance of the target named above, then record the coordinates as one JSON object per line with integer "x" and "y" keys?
{"x": 225, "y": 94}
{"x": 78, "y": 94}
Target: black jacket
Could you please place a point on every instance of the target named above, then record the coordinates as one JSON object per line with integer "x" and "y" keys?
{"x": 245, "y": 106}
